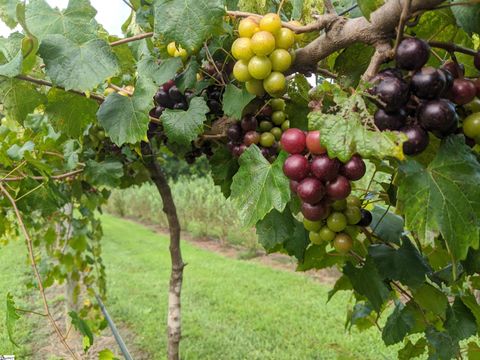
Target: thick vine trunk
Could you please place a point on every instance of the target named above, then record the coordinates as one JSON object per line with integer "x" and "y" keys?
{"x": 176, "y": 278}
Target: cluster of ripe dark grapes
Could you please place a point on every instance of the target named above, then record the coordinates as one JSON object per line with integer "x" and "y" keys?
{"x": 416, "y": 99}
{"x": 264, "y": 129}
{"x": 323, "y": 186}
{"x": 169, "y": 96}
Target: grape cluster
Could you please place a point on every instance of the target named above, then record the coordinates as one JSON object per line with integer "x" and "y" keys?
{"x": 323, "y": 185}
{"x": 264, "y": 129}
{"x": 177, "y": 51}
{"x": 262, "y": 54}
{"x": 422, "y": 101}
{"x": 169, "y": 96}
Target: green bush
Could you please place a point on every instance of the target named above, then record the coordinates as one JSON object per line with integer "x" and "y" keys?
{"x": 201, "y": 207}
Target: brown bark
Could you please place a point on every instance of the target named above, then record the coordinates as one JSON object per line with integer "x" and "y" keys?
{"x": 176, "y": 278}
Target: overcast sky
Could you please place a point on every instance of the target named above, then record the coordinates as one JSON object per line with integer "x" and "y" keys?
{"x": 110, "y": 13}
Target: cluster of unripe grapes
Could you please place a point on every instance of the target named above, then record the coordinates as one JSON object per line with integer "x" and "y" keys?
{"x": 417, "y": 100}
{"x": 323, "y": 185}
{"x": 262, "y": 54}
{"x": 175, "y": 50}
{"x": 263, "y": 129}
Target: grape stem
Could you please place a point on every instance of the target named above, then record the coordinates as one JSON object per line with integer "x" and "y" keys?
{"x": 132, "y": 38}
{"x": 451, "y": 48}
{"x": 54, "y": 177}
{"x": 401, "y": 24}
{"x": 33, "y": 262}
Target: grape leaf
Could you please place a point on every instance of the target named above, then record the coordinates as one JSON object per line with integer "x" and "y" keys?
{"x": 442, "y": 345}
{"x": 473, "y": 351}
{"x": 70, "y": 65}
{"x": 352, "y": 63}
{"x": 410, "y": 350}
{"x": 188, "y": 23}
{"x": 19, "y": 98}
{"x": 460, "y": 322}
{"x": 235, "y": 100}
{"x": 344, "y": 134}
{"x": 8, "y": 12}
{"x": 11, "y": 55}
{"x": 404, "y": 264}
{"x": 76, "y": 22}
{"x": 159, "y": 73}
{"x": 468, "y": 17}
{"x": 316, "y": 257}
{"x": 429, "y": 297}
{"x": 471, "y": 302}
{"x": 69, "y": 112}
{"x": 258, "y": 186}
{"x": 297, "y": 107}
{"x": 367, "y": 282}
{"x": 106, "y": 354}
{"x": 386, "y": 225}
{"x": 224, "y": 166}
{"x": 443, "y": 197}
{"x": 188, "y": 78}
{"x": 11, "y": 316}
{"x": 126, "y": 118}
{"x": 398, "y": 325}
{"x": 281, "y": 228}
{"x": 81, "y": 326}
{"x": 105, "y": 173}
{"x": 369, "y": 6}
{"x": 182, "y": 127}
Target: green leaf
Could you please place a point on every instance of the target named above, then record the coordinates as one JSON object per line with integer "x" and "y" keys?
{"x": 367, "y": 282}
{"x": 404, "y": 264}
{"x": 188, "y": 23}
{"x": 17, "y": 152}
{"x": 223, "y": 166}
{"x": 468, "y": 17}
{"x": 159, "y": 73}
{"x": 105, "y": 173}
{"x": 81, "y": 326}
{"x": 344, "y": 134}
{"x": 341, "y": 284}
{"x": 443, "y": 198}
{"x": 316, "y": 257}
{"x": 362, "y": 316}
{"x": 398, "y": 325}
{"x": 281, "y": 228}
{"x": 410, "y": 350}
{"x": 473, "y": 351}
{"x": 126, "y": 118}
{"x": 182, "y": 127}
{"x": 297, "y": 6}
{"x": 235, "y": 100}
{"x": 386, "y": 225}
{"x": 70, "y": 65}
{"x": 369, "y": 6}
{"x": 471, "y": 302}
{"x": 431, "y": 299}
{"x": 460, "y": 322}
{"x": 69, "y": 112}
{"x": 188, "y": 78}
{"x": 76, "y": 22}
{"x": 11, "y": 58}
{"x": 106, "y": 354}
{"x": 8, "y": 12}
{"x": 352, "y": 63}
{"x": 11, "y": 317}
{"x": 441, "y": 345}
{"x": 258, "y": 187}
{"x": 297, "y": 108}
{"x": 19, "y": 98}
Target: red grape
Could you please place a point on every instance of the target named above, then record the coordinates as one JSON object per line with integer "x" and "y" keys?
{"x": 324, "y": 168}
{"x": 339, "y": 188}
{"x": 463, "y": 91}
{"x": 296, "y": 167}
{"x": 293, "y": 141}
{"x": 354, "y": 169}
{"x": 311, "y": 190}
{"x": 313, "y": 143}
{"x": 315, "y": 212}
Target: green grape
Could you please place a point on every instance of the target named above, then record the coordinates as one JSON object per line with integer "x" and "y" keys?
{"x": 353, "y": 214}
{"x": 314, "y": 238}
{"x": 267, "y": 139}
{"x": 277, "y": 132}
{"x": 337, "y": 221}
{"x": 326, "y": 234}
{"x": 312, "y": 225}
{"x": 339, "y": 205}
{"x": 278, "y": 117}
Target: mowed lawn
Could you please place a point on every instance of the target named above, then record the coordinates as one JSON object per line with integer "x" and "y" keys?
{"x": 232, "y": 309}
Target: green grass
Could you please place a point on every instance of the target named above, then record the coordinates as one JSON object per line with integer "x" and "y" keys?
{"x": 232, "y": 309}
{"x": 15, "y": 273}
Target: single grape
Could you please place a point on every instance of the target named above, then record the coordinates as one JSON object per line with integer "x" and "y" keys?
{"x": 267, "y": 139}
{"x": 238, "y": 150}
{"x": 275, "y": 84}
{"x": 240, "y": 71}
{"x": 278, "y": 117}
{"x": 313, "y": 143}
{"x": 281, "y": 60}
{"x": 263, "y": 43}
{"x": 353, "y": 200}
{"x": 242, "y": 49}
{"x": 412, "y": 54}
{"x": 175, "y": 94}
{"x": 249, "y": 123}
{"x": 339, "y": 188}
{"x": 277, "y": 132}
{"x": 312, "y": 225}
{"x": 315, "y": 238}
{"x": 339, "y": 205}
{"x": 293, "y": 141}
{"x": 367, "y": 218}
{"x": 337, "y": 221}
{"x": 265, "y": 125}
{"x": 326, "y": 234}
{"x": 284, "y": 38}
{"x": 259, "y": 67}
{"x": 293, "y": 183}
{"x": 353, "y": 214}
{"x": 324, "y": 168}
{"x": 163, "y": 99}
{"x": 463, "y": 91}
{"x": 354, "y": 169}
{"x": 266, "y": 111}
{"x": 277, "y": 104}
{"x": 437, "y": 115}
{"x": 247, "y": 27}
{"x": 234, "y": 132}
{"x": 343, "y": 243}
{"x": 390, "y": 121}
{"x": 311, "y": 190}
{"x": 271, "y": 22}
{"x": 417, "y": 140}
{"x": 180, "y": 106}
{"x": 251, "y": 137}
{"x": 392, "y": 92}
{"x": 315, "y": 212}
{"x": 428, "y": 83}
{"x": 455, "y": 69}
{"x": 168, "y": 85}
{"x": 285, "y": 125}
{"x": 255, "y": 87}
{"x": 171, "y": 48}
{"x": 471, "y": 126}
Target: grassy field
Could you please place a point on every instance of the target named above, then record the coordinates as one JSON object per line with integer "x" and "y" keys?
{"x": 232, "y": 309}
